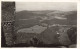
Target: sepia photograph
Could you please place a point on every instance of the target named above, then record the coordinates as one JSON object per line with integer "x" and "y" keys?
{"x": 39, "y": 24}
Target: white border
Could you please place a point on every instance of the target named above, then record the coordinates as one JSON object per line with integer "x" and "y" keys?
{"x": 43, "y": 0}
{"x": 78, "y": 17}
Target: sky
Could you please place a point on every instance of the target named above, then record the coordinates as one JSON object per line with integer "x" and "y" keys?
{"x": 33, "y": 6}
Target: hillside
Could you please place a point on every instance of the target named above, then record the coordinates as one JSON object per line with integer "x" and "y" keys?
{"x": 54, "y": 17}
{"x": 44, "y": 25}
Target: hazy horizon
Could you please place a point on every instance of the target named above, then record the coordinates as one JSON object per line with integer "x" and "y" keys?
{"x": 38, "y": 6}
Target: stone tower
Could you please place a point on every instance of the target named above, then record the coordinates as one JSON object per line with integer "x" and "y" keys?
{"x": 7, "y": 22}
